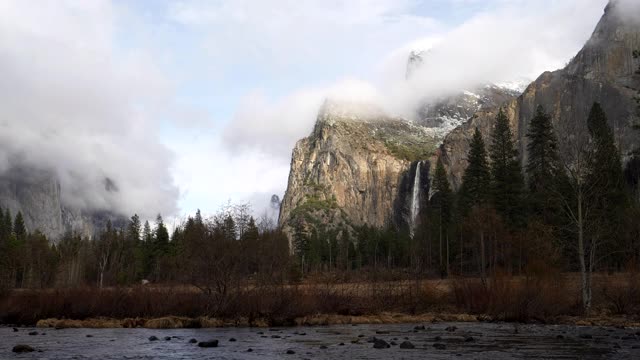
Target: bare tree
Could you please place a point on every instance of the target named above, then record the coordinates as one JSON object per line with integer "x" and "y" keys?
{"x": 578, "y": 191}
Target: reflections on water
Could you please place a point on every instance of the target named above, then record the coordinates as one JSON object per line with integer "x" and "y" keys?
{"x": 435, "y": 341}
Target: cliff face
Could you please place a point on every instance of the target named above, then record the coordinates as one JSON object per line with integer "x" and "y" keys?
{"x": 350, "y": 170}
{"x": 604, "y": 71}
{"x": 361, "y": 167}
{"x": 37, "y": 194}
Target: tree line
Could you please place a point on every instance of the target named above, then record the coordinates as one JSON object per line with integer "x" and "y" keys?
{"x": 198, "y": 251}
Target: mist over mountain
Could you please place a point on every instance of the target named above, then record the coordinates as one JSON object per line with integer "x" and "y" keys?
{"x": 354, "y": 171}
{"x": 76, "y": 125}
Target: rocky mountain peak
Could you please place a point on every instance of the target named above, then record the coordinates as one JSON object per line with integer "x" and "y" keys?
{"x": 605, "y": 71}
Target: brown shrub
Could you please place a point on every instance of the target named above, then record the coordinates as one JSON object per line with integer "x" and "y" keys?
{"x": 514, "y": 299}
{"x": 621, "y": 295}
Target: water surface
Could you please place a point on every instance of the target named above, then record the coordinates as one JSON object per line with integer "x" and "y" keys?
{"x": 490, "y": 341}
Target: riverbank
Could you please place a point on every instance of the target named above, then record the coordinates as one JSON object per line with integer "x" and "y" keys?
{"x": 177, "y": 322}
{"x": 549, "y": 300}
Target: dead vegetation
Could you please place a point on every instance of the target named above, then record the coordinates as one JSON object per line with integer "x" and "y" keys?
{"x": 329, "y": 300}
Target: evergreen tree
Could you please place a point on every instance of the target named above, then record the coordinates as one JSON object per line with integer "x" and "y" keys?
{"x": 442, "y": 201}
{"x": 5, "y": 228}
{"x": 133, "y": 228}
{"x": 198, "y": 219}
{"x": 229, "y": 228}
{"x": 300, "y": 242}
{"x": 19, "y": 228}
{"x": 606, "y": 165}
{"x": 251, "y": 233}
{"x": 605, "y": 174}
{"x": 7, "y": 223}
{"x": 161, "y": 234}
{"x": 476, "y": 180}
{"x": 442, "y": 197}
{"x": 506, "y": 173}
{"x": 147, "y": 235}
{"x": 543, "y": 166}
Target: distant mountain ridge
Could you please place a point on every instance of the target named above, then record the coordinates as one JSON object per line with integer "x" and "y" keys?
{"x": 37, "y": 194}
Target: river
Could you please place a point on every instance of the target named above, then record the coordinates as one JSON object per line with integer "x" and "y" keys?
{"x": 457, "y": 340}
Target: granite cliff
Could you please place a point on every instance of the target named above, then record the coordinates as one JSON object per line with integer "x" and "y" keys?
{"x": 360, "y": 166}
{"x": 37, "y": 194}
{"x": 352, "y": 170}
{"x": 604, "y": 71}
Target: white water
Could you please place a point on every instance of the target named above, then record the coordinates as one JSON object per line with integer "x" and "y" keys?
{"x": 414, "y": 211}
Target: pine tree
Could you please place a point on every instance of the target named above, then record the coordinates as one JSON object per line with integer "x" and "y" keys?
{"x": 507, "y": 183}
{"x": 606, "y": 166}
{"x": 19, "y": 228}
{"x": 543, "y": 166}
{"x": 198, "y": 219}
{"x": 476, "y": 180}
{"x": 251, "y": 233}
{"x": 300, "y": 242}
{"x": 442, "y": 201}
{"x": 7, "y": 223}
{"x": 229, "y": 228}
{"x": 147, "y": 235}
{"x": 133, "y": 228}
{"x": 161, "y": 234}
{"x": 605, "y": 174}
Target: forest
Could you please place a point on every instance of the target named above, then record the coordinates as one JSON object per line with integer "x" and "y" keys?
{"x": 569, "y": 207}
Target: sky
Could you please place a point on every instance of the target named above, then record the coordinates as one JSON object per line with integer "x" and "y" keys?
{"x": 190, "y": 104}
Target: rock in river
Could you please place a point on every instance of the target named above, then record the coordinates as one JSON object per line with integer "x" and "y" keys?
{"x": 208, "y": 344}
{"x": 439, "y": 346}
{"x": 407, "y": 345}
{"x": 22, "y": 349}
{"x": 380, "y": 344}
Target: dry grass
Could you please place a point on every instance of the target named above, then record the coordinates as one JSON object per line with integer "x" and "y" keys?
{"x": 328, "y": 301}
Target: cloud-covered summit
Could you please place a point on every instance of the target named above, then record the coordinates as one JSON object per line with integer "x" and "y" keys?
{"x": 74, "y": 103}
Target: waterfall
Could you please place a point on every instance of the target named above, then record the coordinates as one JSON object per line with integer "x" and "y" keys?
{"x": 414, "y": 211}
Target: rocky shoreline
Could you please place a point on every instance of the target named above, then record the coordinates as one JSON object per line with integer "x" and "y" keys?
{"x": 177, "y": 322}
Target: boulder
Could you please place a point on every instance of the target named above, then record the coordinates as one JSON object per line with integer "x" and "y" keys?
{"x": 208, "y": 344}
{"x": 380, "y": 344}
{"x": 22, "y": 349}
{"x": 439, "y": 346}
{"x": 407, "y": 345}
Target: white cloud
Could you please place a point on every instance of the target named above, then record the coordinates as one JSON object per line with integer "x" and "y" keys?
{"x": 519, "y": 39}
{"x": 76, "y": 104}
{"x": 211, "y": 175}
{"x": 516, "y": 39}
{"x": 272, "y": 127}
